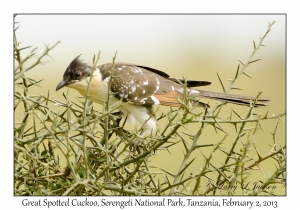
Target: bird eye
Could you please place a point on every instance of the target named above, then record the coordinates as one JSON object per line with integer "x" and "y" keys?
{"x": 78, "y": 74}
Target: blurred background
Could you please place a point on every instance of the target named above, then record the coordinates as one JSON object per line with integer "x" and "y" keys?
{"x": 193, "y": 46}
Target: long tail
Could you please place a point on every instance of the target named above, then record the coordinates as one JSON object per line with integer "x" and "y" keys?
{"x": 230, "y": 98}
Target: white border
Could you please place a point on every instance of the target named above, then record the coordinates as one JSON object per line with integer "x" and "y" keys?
{"x": 254, "y": 6}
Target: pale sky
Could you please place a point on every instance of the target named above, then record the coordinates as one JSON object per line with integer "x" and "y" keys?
{"x": 193, "y": 46}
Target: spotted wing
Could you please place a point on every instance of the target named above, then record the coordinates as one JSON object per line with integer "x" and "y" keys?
{"x": 141, "y": 86}
{"x": 134, "y": 84}
{"x": 190, "y": 83}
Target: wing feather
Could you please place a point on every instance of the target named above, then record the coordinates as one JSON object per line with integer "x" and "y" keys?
{"x": 146, "y": 86}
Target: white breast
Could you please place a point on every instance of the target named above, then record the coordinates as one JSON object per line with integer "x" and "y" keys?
{"x": 139, "y": 115}
{"x": 98, "y": 90}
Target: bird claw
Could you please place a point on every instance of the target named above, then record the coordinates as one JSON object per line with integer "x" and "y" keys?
{"x": 135, "y": 144}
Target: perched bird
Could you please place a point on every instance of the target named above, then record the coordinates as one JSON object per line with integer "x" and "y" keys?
{"x": 139, "y": 87}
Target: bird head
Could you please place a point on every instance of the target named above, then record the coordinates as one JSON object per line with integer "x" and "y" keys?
{"x": 74, "y": 74}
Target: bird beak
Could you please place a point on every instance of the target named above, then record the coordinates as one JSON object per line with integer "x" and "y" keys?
{"x": 61, "y": 85}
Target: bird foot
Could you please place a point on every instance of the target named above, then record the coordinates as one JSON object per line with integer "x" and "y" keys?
{"x": 135, "y": 144}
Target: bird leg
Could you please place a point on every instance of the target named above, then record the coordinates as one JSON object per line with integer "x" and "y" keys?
{"x": 138, "y": 142}
{"x": 113, "y": 123}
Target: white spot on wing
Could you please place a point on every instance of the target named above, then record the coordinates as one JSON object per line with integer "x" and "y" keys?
{"x": 173, "y": 88}
{"x": 144, "y": 91}
{"x": 145, "y": 83}
{"x": 191, "y": 92}
{"x": 107, "y": 79}
{"x": 136, "y": 71}
{"x": 135, "y": 98}
{"x": 157, "y": 87}
{"x": 194, "y": 92}
{"x": 155, "y": 100}
{"x": 157, "y": 81}
{"x": 120, "y": 69}
{"x": 133, "y": 88}
{"x": 180, "y": 90}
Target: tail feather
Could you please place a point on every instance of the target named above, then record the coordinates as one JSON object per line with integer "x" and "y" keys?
{"x": 231, "y": 98}
{"x": 190, "y": 83}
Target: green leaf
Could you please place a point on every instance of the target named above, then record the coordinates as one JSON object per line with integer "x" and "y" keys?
{"x": 247, "y": 75}
{"x": 236, "y": 88}
{"x": 24, "y": 47}
{"x": 44, "y": 152}
{"x": 261, "y": 127}
{"x": 204, "y": 145}
{"x": 254, "y": 61}
{"x": 237, "y": 71}
{"x": 173, "y": 175}
{"x": 47, "y": 100}
{"x": 221, "y": 82}
{"x": 241, "y": 62}
{"x": 187, "y": 165}
{"x": 237, "y": 114}
{"x": 254, "y": 45}
{"x": 100, "y": 160}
